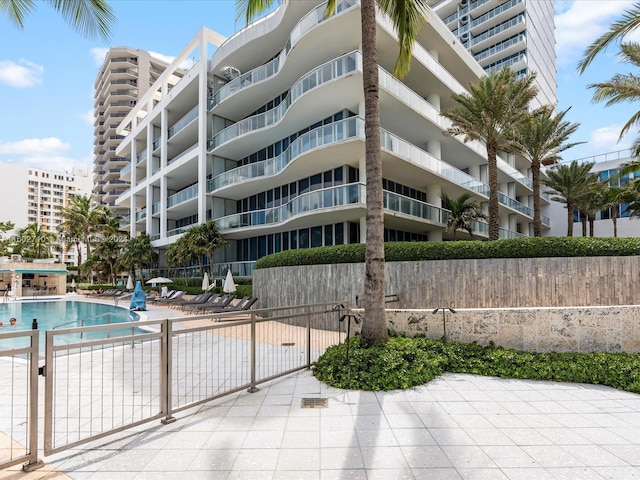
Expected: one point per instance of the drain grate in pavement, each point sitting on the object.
(315, 403)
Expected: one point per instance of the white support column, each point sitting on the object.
(202, 129)
(434, 100)
(434, 193)
(163, 207)
(434, 148)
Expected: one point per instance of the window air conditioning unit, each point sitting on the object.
(16, 257)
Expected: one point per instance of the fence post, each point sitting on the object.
(253, 388)
(308, 337)
(166, 368)
(33, 463)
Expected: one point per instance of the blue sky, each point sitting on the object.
(47, 73)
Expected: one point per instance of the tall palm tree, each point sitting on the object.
(620, 88)
(540, 140)
(568, 183)
(589, 204)
(4, 242)
(35, 241)
(90, 18)
(407, 17)
(136, 253)
(463, 212)
(205, 239)
(489, 112)
(612, 197)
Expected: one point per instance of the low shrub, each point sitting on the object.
(406, 362)
(526, 247)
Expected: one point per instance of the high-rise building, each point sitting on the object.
(515, 33)
(265, 135)
(37, 196)
(125, 76)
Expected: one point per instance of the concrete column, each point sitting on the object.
(363, 230)
(434, 100)
(434, 147)
(434, 54)
(163, 207)
(433, 195)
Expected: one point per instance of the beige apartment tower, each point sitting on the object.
(126, 75)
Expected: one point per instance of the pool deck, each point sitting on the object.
(455, 427)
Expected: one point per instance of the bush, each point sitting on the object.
(407, 362)
(527, 247)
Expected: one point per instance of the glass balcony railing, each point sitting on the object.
(350, 194)
(497, 29)
(328, 134)
(141, 157)
(141, 215)
(156, 143)
(155, 236)
(415, 208)
(155, 208)
(182, 196)
(487, 52)
(190, 116)
(269, 69)
(126, 169)
(337, 68)
(238, 269)
(125, 221)
(177, 231)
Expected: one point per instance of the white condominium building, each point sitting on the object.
(265, 135)
(515, 33)
(36, 196)
(126, 74)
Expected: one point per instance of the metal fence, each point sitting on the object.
(19, 400)
(103, 379)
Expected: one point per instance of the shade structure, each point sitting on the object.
(130, 283)
(138, 298)
(159, 280)
(205, 282)
(229, 285)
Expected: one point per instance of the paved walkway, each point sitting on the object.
(456, 427)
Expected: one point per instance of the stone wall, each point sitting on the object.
(570, 329)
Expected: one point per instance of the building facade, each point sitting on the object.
(125, 76)
(607, 167)
(37, 196)
(265, 135)
(515, 33)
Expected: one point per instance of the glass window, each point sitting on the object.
(328, 235)
(269, 199)
(328, 179)
(316, 236)
(261, 201)
(285, 241)
(294, 239)
(316, 182)
(339, 233)
(303, 238)
(337, 176)
(354, 236)
(262, 246)
(304, 185)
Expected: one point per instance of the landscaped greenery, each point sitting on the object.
(527, 247)
(407, 362)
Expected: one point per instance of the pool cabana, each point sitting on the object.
(40, 277)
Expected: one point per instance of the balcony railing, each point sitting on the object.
(350, 194)
(328, 134)
(184, 121)
(308, 22)
(497, 29)
(177, 231)
(182, 196)
(141, 215)
(339, 67)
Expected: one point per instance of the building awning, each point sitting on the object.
(38, 270)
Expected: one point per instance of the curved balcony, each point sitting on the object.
(307, 23)
(326, 135)
(332, 197)
(182, 196)
(339, 67)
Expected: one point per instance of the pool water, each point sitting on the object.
(60, 314)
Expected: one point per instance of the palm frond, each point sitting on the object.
(17, 10)
(91, 18)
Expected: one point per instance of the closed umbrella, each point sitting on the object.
(73, 284)
(130, 283)
(159, 280)
(205, 282)
(229, 284)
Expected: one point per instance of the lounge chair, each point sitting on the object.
(215, 299)
(176, 297)
(197, 300)
(220, 302)
(244, 305)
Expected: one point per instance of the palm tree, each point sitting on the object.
(492, 109)
(569, 183)
(105, 257)
(204, 240)
(178, 254)
(35, 241)
(90, 18)
(407, 17)
(612, 197)
(589, 204)
(4, 243)
(620, 88)
(136, 253)
(463, 212)
(540, 140)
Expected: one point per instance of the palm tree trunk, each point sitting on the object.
(583, 219)
(374, 326)
(494, 206)
(570, 219)
(591, 222)
(614, 219)
(537, 220)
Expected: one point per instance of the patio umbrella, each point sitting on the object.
(229, 285)
(73, 284)
(130, 283)
(159, 280)
(205, 282)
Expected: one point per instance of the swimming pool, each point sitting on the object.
(59, 314)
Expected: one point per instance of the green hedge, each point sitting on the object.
(528, 247)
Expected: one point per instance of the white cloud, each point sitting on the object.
(99, 54)
(580, 22)
(186, 64)
(20, 74)
(605, 139)
(87, 117)
(34, 146)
